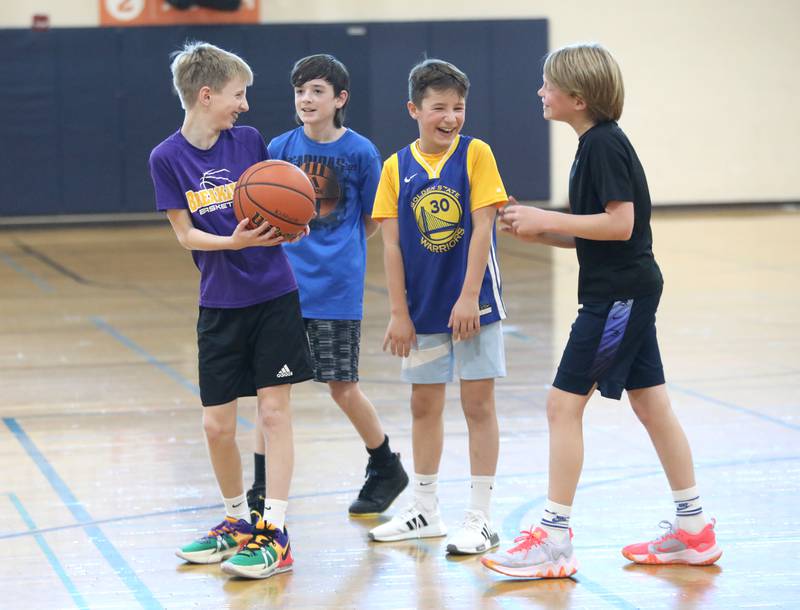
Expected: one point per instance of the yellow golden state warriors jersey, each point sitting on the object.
(434, 212)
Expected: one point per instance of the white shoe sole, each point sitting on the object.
(428, 531)
(453, 549)
(258, 573)
(687, 557)
(560, 569)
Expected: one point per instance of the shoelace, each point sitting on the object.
(526, 540)
(473, 521)
(260, 539)
(222, 528)
(671, 531)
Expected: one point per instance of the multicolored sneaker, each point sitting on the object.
(255, 502)
(535, 555)
(382, 486)
(677, 546)
(475, 535)
(219, 544)
(266, 554)
(409, 524)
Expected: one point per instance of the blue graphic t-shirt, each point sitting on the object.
(330, 262)
(202, 181)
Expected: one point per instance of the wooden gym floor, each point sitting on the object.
(104, 470)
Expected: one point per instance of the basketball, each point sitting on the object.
(326, 187)
(275, 192)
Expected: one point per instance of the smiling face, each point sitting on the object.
(440, 117)
(556, 104)
(316, 102)
(225, 106)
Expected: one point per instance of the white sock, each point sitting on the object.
(237, 507)
(555, 520)
(275, 512)
(480, 496)
(688, 510)
(425, 487)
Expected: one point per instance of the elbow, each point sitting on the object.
(626, 233)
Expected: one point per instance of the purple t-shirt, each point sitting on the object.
(202, 181)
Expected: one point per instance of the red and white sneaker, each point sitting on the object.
(534, 555)
(677, 546)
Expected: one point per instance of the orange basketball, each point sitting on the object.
(275, 192)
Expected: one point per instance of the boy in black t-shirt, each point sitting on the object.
(612, 345)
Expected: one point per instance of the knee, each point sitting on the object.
(343, 393)
(218, 431)
(560, 412)
(478, 410)
(274, 414)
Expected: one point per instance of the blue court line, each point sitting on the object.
(48, 552)
(734, 407)
(161, 366)
(96, 535)
(40, 283)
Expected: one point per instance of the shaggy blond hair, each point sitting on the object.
(588, 71)
(200, 64)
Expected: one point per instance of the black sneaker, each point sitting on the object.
(383, 484)
(255, 501)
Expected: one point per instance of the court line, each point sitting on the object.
(348, 492)
(734, 407)
(42, 257)
(161, 366)
(26, 273)
(49, 554)
(113, 557)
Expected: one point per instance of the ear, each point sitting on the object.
(412, 110)
(579, 103)
(341, 99)
(204, 95)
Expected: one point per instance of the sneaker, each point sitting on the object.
(219, 544)
(677, 546)
(409, 524)
(536, 555)
(382, 486)
(476, 535)
(256, 496)
(266, 554)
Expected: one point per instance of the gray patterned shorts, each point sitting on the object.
(334, 348)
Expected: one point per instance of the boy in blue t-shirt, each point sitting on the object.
(330, 263)
(249, 327)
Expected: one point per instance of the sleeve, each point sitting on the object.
(610, 171)
(370, 176)
(485, 183)
(168, 192)
(385, 205)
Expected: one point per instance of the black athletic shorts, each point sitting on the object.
(612, 344)
(335, 346)
(243, 349)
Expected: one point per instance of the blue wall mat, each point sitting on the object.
(86, 105)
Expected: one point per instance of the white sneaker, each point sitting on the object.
(411, 523)
(476, 535)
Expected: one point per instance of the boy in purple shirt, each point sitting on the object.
(250, 335)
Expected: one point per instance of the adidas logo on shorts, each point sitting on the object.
(285, 371)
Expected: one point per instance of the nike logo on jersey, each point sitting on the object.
(408, 179)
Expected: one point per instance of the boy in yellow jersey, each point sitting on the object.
(437, 200)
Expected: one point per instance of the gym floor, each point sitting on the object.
(105, 470)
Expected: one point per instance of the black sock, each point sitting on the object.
(382, 454)
(260, 470)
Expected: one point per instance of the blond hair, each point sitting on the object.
(200, 64)
(588, 71)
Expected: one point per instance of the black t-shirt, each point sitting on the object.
(606, 169)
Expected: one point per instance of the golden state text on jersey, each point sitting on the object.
(439, 216)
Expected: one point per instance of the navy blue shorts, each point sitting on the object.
(612, 344)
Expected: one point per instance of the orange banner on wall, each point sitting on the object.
(160, 12)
